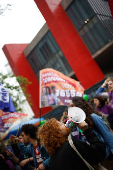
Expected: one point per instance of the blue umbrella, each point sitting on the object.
(6, 103)
(15, 129)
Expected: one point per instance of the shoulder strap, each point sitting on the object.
(73, 146)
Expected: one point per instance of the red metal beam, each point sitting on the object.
(111, 6)
(67, 37)
(21, 67)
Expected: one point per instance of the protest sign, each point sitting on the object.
(57, 89)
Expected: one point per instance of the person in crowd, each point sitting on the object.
(50, 98)
(108, 82)
(64, 117)
(5, 157)
(39, 154)
(25, 161)
(44, 100)
(3, 164)
(15, 148)
(53, 135)
(9, 156)
(53, 94)
(106, 109)
(95, 122)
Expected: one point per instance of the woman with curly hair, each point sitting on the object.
(53, 135)
(95, 122)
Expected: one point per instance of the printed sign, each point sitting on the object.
(57, 89)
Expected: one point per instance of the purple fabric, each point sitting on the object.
(1, 123)
(110, 94)
(106, 109)
(10, 164)
(51, 101)
(75, 134)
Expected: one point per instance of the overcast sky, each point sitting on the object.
(18, 25)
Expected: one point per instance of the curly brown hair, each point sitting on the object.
(50, 136)
(87, 108)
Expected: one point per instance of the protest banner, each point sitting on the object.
(57, 89)
(8, 118)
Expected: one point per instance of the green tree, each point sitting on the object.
(4, 7)
(18, 94)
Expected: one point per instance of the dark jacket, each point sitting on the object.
(66, 158)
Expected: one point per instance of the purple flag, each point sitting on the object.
(6, 103)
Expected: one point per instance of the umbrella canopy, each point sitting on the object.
(14, 130)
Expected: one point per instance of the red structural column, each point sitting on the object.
(21, 67)
(71, 44)
(111, 6)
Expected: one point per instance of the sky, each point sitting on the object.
(18, 25)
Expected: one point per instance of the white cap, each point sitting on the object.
(76, 114)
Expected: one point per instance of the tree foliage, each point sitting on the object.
(18, 94)
(4, 8)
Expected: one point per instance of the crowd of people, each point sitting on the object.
(65, 144)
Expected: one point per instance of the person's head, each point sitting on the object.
(21, 138)
(52, 135)
(99, 101)
(44, 91)
(110, 84)
(48, 90)
(29, 131)
(53, 89)
(86, 107)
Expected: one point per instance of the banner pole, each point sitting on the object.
(40, 116)
(40, 96)
(18, 130)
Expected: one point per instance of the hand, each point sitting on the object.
(105, 83)
(64, 113)
(83, 126)
(22, 163)
(14, 139)
(41, 167)
(9, 153)
(70, 125)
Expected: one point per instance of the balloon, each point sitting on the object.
(42, 122)
(85, 97)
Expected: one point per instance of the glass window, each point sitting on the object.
(47, 54)
(88, 25)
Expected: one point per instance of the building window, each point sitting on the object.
(47, 54)
(88, 25)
